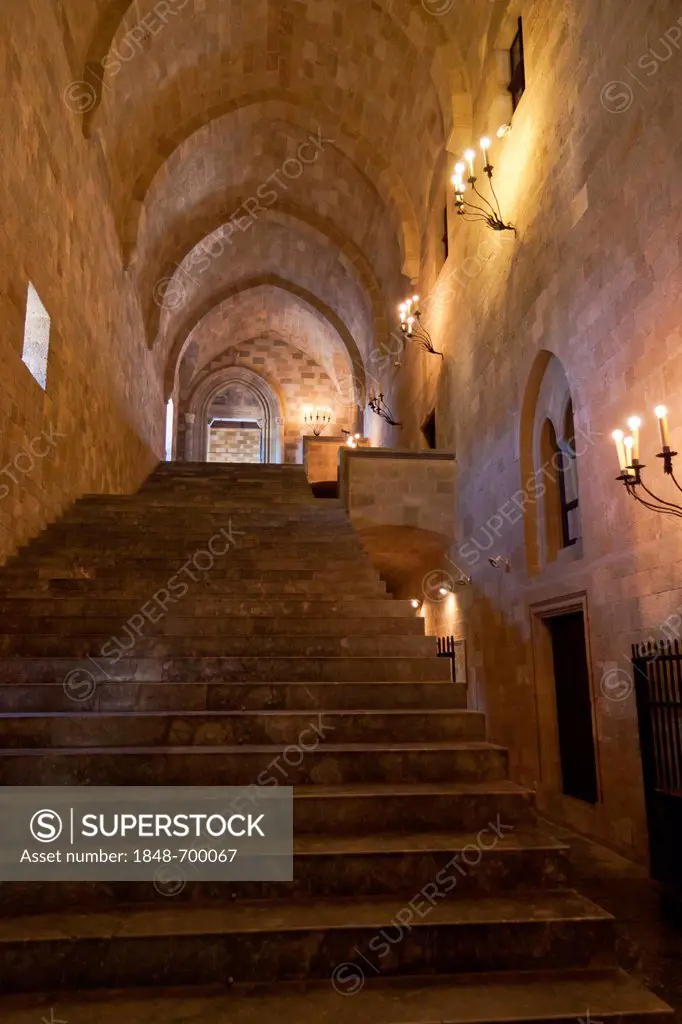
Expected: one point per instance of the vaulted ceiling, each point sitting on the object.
(272, 158)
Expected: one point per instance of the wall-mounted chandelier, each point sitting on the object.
(631, 468)
(489, 214)
(412, 327)
(379, 408)
(318, 419)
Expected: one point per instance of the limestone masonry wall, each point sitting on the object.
(99, 425)
(590, 177)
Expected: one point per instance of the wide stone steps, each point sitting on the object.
(559, 997)
(131, 592)
(334, 866)
(125, 638)
(247, 669)
(91, 689)
(204, 618)
(232, 728)
(283, 662)
(304, 940)
(111, 579)
(326, 764)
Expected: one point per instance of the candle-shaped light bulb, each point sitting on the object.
(470, 156)
(662, 416)
(415, 299)
(618, 436)
(485, 146)
(634, 423)
(460, 168)
(629, 443)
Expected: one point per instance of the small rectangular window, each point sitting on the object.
(36, 337)
(517, 85)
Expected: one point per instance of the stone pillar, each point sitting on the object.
(190, 417)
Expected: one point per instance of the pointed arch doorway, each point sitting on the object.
(234, 416)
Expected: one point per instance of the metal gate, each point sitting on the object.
(658, 687)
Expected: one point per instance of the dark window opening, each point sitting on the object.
(445, 239)
(429, 429)
(574, 707)
(517, 85)
(568, 486)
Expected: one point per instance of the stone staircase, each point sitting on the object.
(424, 890)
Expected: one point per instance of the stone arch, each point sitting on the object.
(208, 387)
(198, 231)
(114, 13)
(548, 461)
(249, 121)
(359, 383)
(377, 167)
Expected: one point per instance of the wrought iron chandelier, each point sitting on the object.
(631, 468)
(318, 419)
(412, 327)
(379, 408)
(489, 214)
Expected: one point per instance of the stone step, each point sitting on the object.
(201, 728)
(127, 590)
(339, 570)
(90, 690)
(261, 941)
(370, 808)
(124, 640)
(230, 576)
(324, 515)
(201, 617)
(253, 669)
(527, 997)
(180, 546)
(151, 557)
(496, 858)
(193, 497)
(327, 764)
(271, 608)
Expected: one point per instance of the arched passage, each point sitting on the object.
(264, 401)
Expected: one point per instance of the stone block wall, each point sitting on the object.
(98, 426)
(234, 444)
(390, 487)
(321, 456)
(590, 177)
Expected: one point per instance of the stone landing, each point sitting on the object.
(424, 889)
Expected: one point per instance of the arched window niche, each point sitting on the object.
(549, 467)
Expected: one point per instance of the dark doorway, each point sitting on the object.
(429, 429)
(574, 707)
